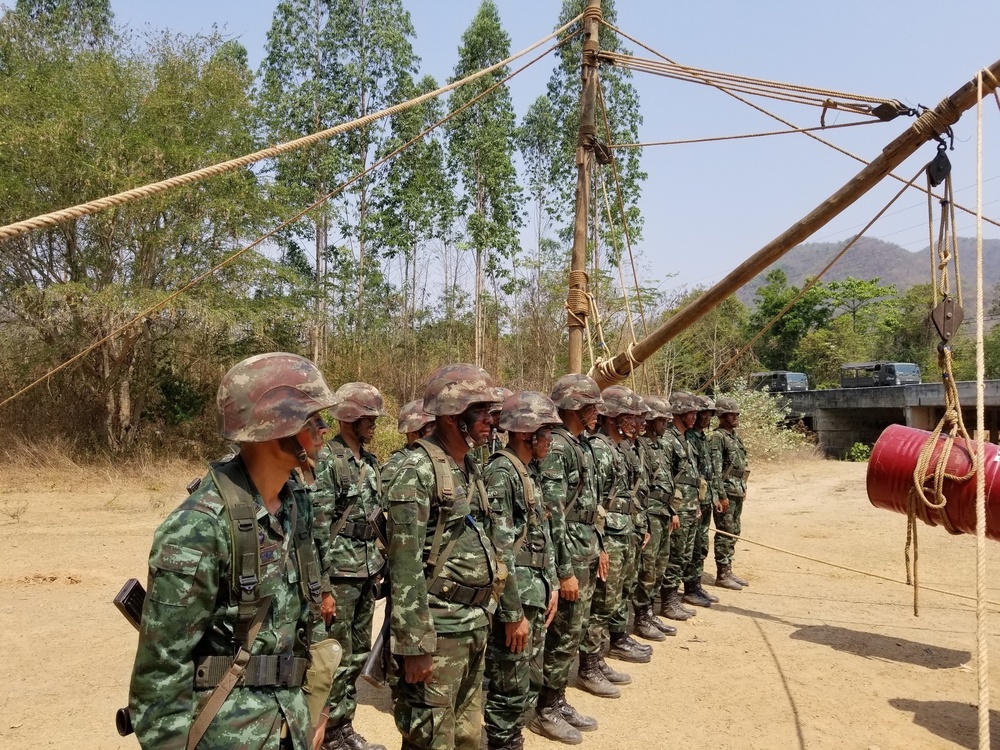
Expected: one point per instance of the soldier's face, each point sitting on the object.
(689, 419)
(310, 437)
(588, 415)
(704, 419)
(478, 421)
(733, 420)
(365, 429)
(541, 443)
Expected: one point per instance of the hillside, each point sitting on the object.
(891, 263)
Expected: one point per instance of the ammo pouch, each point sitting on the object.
(702, 490)
(361, 531)
(277, 670)
(619, 505)
(588, 517)
(471, 596)
(529, 559)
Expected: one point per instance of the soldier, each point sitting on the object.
(683, 487)
(414, 423)
(661, 519)
(234, 571)
(348, 492)
(444, 567)
(615, 487)
(514, 656)
(729, 460)
(694, 592)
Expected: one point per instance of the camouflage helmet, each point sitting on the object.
(726, 405)
(452, 389)
(527, 411)
(575, 391)
(412, 417)
(619, 400)
(658, 407)
(502, 395)
(705, 403)
(359, 400)
(682, 402)
(270, 396)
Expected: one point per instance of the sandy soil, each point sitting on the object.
(807, 657)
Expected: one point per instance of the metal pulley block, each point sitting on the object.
(947, 317)
(939, 167)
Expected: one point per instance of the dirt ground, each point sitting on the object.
(807, 657)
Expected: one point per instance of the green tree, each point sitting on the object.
(481, 143)
(776, 347)
(856, 296)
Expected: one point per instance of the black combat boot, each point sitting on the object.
(614, 677)
(355, 741)
(740, 581)
(642, 648)
(573, 717)
(725, 579)
(333, 739)
(622, 650)
(591, 679)
(691, 595)
(701, 590)
(644, 627)
(660, 624)
(671, 607)
(515, 743)
(549, 722)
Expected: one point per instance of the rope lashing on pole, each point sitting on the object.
(95, 206)
(288, 222)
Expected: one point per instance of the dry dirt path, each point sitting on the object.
(807, 657)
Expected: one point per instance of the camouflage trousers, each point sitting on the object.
(725, 548)
(607, 594)
(562, 639)
(681, 547)
(630, 579)
(515, 679)
(447, 711)
(353, 628)
(697, 565)
(653, 560)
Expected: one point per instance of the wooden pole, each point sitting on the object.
(930, 124)
(577, 302)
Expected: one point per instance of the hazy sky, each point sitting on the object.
(709, 206)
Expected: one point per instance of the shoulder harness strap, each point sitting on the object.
(580, 461)
(529, 493)
(445, 491)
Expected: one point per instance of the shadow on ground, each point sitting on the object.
(953, 721)
(865, 644)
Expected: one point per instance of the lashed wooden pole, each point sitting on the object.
(929, 125)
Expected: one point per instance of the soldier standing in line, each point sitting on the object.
(444, 567)
(414, 423)
(348, 492)
(220, 581)
(729, 460)
(514, 656)
(694, 592)
(568, 485)
(684, 479)
(615, 488)
(661, 518)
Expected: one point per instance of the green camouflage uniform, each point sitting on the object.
(682, 475)
(638, 489)
(392, 465)
(571, 499)
(353, 562)
(653, 559)
(445, 712)
(188, 614)
(698, 441)
(515, 679)
(729, 462)
(614, 489)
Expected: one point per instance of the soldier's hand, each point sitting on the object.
(550, 613)
(718, 506)
(569, 588)
(603, 565)
(675, 523)
(725, 505)
(645, 540)
(516, 635)
(418, 668)
(328, 608)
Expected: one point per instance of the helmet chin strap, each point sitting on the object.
(293, 447)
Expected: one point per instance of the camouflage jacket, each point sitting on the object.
(187, 614)
(414, 515)
(729, 462)
(635, 462)
(568, 477)
(516, 518)
(682, 472)
(698, 441)
(613, 485)
(660, 484)
(392, 464)
(358, 495)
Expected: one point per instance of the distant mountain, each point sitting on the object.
(891, 263)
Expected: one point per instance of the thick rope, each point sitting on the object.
(92, 207)
(994, 84)
(850, 569)
(226, 261)
(716, 139)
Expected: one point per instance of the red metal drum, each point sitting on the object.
(890, 478)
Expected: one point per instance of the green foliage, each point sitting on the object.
(813, 310)
(764, 427)
(859, 452)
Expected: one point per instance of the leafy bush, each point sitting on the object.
(859, 452)
(766, 430)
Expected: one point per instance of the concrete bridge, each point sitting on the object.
(842, 417)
